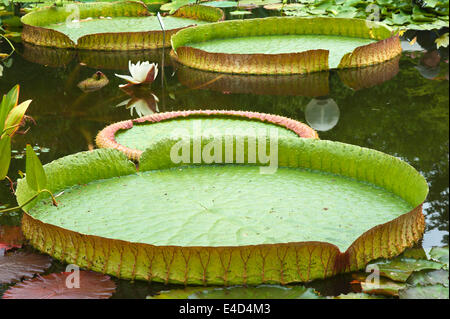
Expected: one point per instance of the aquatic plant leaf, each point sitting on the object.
(5, 156)
(63, 286)
(15, 117)
(354, 295)
(440, 254)
(106, 240)
(36, 178)
(134, 136)
(399, 269)
(284, 45)
(9, 101)
(429, 277)
(383, 286)
(10, 237)
(424, 292)
(239, 292)
(108, 26)
(94, 83)
(17, 265)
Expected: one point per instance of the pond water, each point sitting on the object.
(400, 108)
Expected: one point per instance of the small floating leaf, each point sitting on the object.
(425, 292)
(440, 254)
(54, 286)
(399, 269)
(429, 277)
(353, 295)
(18, 265)
(36, 178)
(94, 83)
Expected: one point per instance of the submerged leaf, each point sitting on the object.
(36, 178)
(17, 265)
(55, 286)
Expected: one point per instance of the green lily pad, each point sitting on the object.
(239, 292)
(337, 45)
(133, 137)
(199, 224)
(429, 277)
(440, 254)
(382, 286)
(424, 292)
(354, 295)
(128, 24)
(284, 45)
(399, 269)
(122, 25)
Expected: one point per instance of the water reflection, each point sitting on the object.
(142, 101)
(322, 114)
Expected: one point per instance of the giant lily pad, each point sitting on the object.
(123, 25)
(328, 208)
(134, 136)
(285, 45)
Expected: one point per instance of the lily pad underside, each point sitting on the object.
(329, 208)
(123, 25)
(134, 136)
(285, 45)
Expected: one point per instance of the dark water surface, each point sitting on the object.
(400, 108)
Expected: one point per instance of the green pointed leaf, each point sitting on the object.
(8, 102)
(14, 118)
(5, 156)
(36, 178)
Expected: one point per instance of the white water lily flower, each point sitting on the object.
(144, 72)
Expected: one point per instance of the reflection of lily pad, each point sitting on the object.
(239, 292)
(125, 25)
(17, 265)
(133, 137)
(172, 224)
(54, 286)
(313, 85)
(281, 45)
